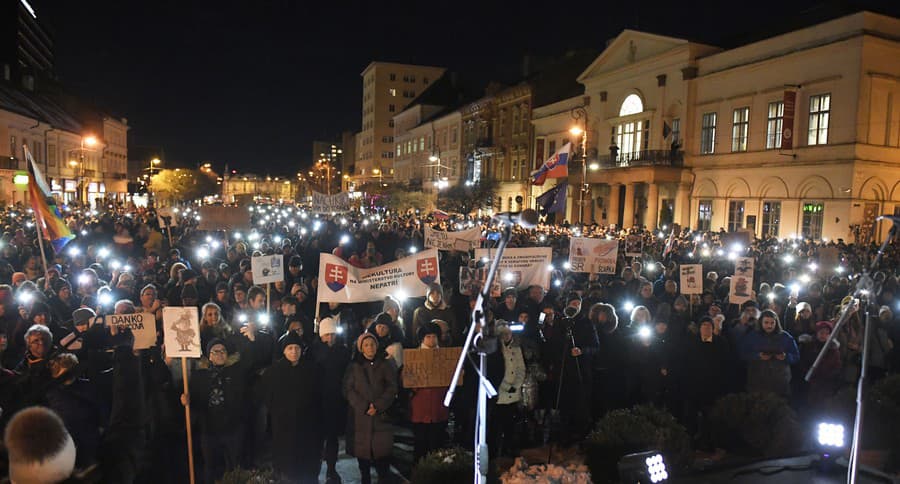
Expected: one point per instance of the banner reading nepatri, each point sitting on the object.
(341, 282)
(322, 203)
(522, 266)
(594, 256)
(461, 240)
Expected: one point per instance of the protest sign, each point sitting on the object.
(594, 256)
(181, 326)
(142, 326)
(424, 368)
(410, 276)
(223, 218)
(741, 289)
(461, 240)
(472, 280)
(267, 268)
(634, 246)
(339, 202)
(165, 216)
(520, 267)
(692, 279)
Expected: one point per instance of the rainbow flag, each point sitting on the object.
(46, 214)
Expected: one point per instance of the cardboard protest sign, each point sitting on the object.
(461, 240)
(181, 326)
(521, 267)
(339, 202)
(634, 246)
(223, 218)
(267, 268)
(471, 281)
(594, 256)
(691, 279)
(142, 325)
(341, 282)
(741, 289)
(424, 368)
(166, 216)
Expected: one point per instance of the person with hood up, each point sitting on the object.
(332, 357)
(291, 391)
(769, 352)
(370, 386)
(435, 307)
(428, 414)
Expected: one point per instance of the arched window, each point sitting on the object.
(631, 105)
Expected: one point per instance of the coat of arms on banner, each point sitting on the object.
(427, 269)
(336, 276)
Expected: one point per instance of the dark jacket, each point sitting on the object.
(375, 382)
(772, 375)
(332, 364)
(219, 395)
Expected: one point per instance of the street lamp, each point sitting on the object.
(579, 113)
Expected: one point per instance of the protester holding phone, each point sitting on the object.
(769, 352)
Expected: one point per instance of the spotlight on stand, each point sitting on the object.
(830, 436)
(644, 467)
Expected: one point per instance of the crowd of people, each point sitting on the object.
(276, 386)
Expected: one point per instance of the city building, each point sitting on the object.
(26, 46)
(387, 89)
(327, 160)
(794, 135)
(246, 188)
(348, 160)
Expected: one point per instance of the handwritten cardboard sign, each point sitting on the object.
(142, 325)
(424, 368)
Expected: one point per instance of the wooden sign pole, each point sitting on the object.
(187, 419)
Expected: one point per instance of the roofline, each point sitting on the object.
(398, 64)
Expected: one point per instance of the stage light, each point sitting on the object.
(830, 435)
(643, 467)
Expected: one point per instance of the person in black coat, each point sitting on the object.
(332, 358)
(40, 448)
(73, 398)
(291, 390)
(579, 337)
(707, 357)
(219, 398)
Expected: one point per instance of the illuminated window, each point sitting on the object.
(631, 105)
(740, 129)
(813, 218)
(774, 124)
(819, 116)
(392, 92)
(735, 215)
(771, 218)
(708, 133)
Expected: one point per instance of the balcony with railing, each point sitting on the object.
(642, 158)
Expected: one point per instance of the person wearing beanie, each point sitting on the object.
(428, 414)
(434, 307)
(291, 389)
(370, 386)
(62, 303)
(705, 361)
(220, 397)
(388, 338)
(332, 357)
(41, 450)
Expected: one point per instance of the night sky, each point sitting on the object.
(252, 83)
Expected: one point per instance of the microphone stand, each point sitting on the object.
(864, 291)
(485, 342)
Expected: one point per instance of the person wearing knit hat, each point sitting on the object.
(332, 357)
(370, 386)
(389, 339)
(429, 329)
(291, 390)
(427, 413)
(434, 307)
(39, 446)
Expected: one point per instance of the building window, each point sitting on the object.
(453, 134)
(708, 134)
(424, 80)
(735, 215)
(391, 108)
(774, 125)
(390, 123)
(771, 218)
(515, 122)
(631, 138)
(412, 78)
(740, 128)
(515, 169)
(398, 149)
(51, 154)
(676, 129)
(551, 148)
(704, 215)
(813, 216)
(631, 105)
(392, 92)
(422, 143)
(393, 77)
(819, 113)
(12, 146)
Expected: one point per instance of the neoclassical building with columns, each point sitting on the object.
(797, 134)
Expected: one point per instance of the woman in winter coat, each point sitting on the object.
(291, 389)
(428, 414)
(370, 386)
(769, 352)
(390, 339)
(826, 379)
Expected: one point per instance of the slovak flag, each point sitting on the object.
(557, 166)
